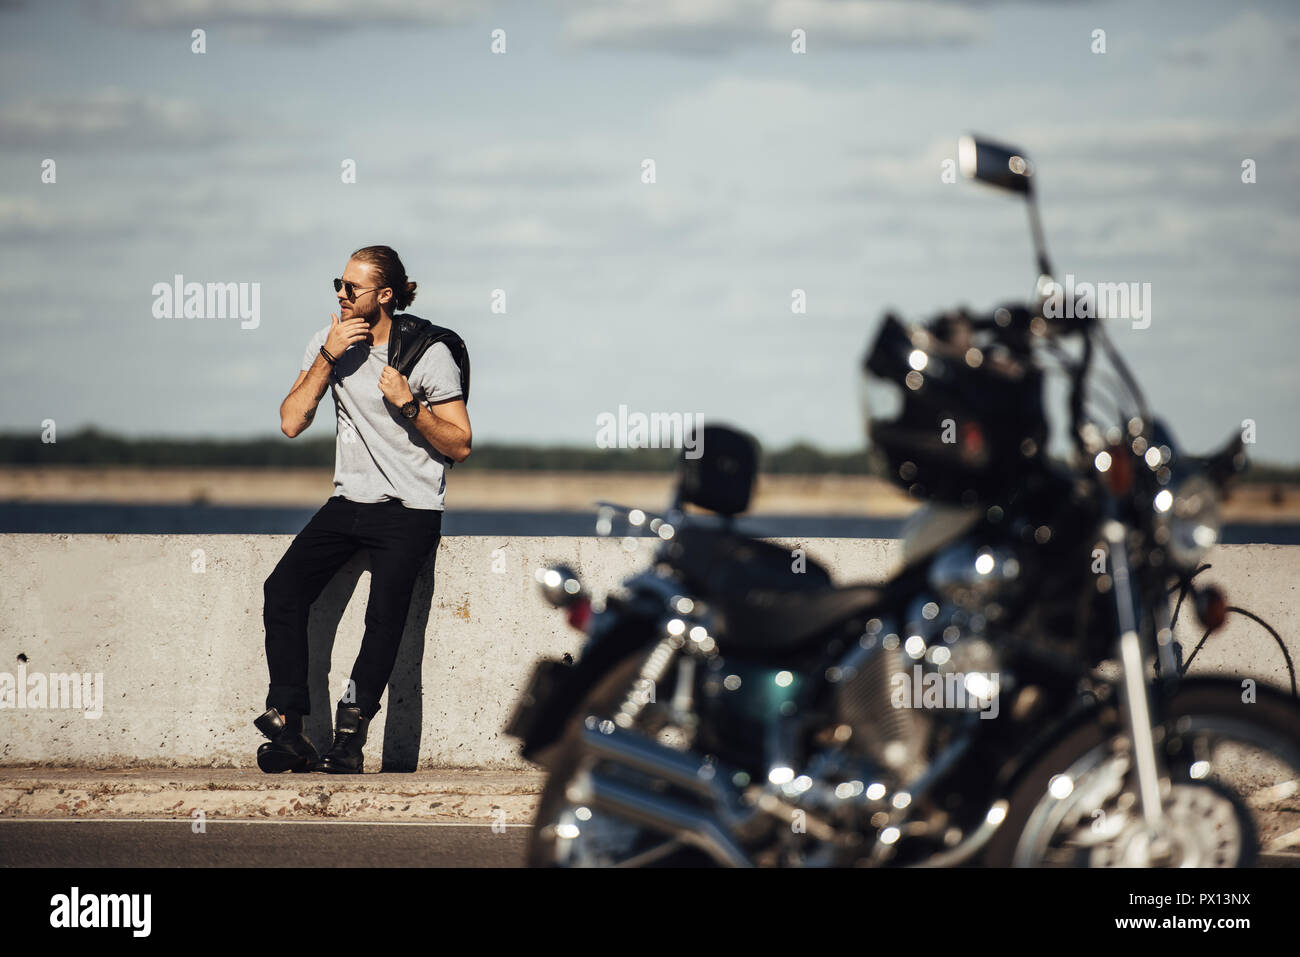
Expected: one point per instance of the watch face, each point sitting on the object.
(411, 409)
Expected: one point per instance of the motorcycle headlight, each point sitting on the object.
(1187, 520)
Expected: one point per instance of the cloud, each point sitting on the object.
(1136, 138)
(1247, 40)
(23, 219)
(111, 118)
(825, 179)
(723, 26)
(533, 233)
(1195, 160)
(286, 18)
(566, 161)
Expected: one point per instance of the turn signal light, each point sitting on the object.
(1120, 474)
(1211, 607)
(579, 612)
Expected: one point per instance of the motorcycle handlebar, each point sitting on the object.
(1016, 325)
(1021, 318)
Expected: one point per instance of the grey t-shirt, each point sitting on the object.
(379, 454)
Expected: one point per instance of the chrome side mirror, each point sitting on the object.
(1007, 167)
(1003, 166)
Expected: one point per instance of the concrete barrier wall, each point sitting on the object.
(173, 623)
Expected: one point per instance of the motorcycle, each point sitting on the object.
(1011, 695)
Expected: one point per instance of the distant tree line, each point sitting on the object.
(94, 447)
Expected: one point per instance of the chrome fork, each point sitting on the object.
(1137, 705)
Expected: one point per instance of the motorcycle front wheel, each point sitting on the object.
(1232, 790)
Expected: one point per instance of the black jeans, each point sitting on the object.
(399, 539)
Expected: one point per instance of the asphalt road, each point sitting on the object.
(314, 844)
(90, 843)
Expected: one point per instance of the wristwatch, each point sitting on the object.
(410, 410)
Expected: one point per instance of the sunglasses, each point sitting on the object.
(352, 290)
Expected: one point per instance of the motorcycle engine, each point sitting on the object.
(902, 680)
(893, 737)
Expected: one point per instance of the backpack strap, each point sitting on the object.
(412, 336)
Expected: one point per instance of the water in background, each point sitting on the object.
(185, 519)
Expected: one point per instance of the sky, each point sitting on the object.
(523, 171)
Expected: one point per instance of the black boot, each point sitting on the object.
(288, 749)
(350, 728)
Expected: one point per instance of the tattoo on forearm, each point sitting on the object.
(308, 416)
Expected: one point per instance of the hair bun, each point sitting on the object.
(389, 271)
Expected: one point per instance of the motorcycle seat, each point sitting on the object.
(718, 561)
(767, 602)
(783, 621)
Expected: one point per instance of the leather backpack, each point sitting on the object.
(410, 337)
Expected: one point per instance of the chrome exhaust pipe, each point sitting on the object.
(695, 827)
(685, 771)
(709, 829)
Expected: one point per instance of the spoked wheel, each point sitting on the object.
(1233, 790)
(567, 831)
